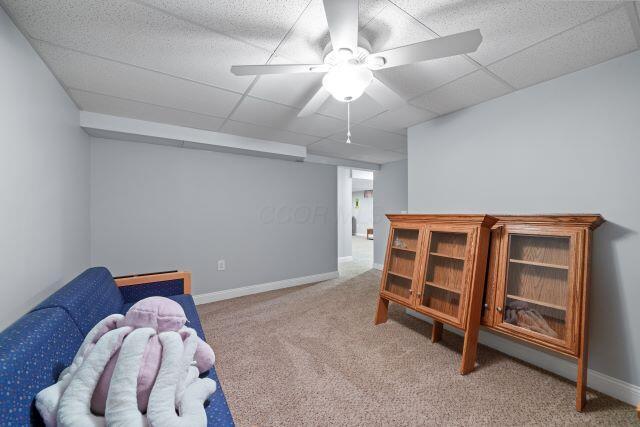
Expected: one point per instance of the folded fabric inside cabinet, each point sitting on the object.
(519, 313)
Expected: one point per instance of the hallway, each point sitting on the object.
(362, 252)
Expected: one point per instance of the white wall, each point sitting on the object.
(44, 180)
(158, 208)
(364, 213)
(389, 196)
(568, 145)
(344, 212)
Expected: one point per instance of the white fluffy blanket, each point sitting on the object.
(177, 396)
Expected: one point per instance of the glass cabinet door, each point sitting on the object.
(537, 288)
(401, 262)
(443, 288)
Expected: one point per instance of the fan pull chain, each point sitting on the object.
(348, 122)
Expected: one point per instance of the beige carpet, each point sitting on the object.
(311, 356)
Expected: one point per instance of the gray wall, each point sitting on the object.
(389, 196)
(364, 213)
(568, 145)
(344, 211)
(44, 180)
(158, 208)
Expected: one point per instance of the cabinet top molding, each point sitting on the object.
(483, 219)
(591, 221)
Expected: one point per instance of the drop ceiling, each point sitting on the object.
(168, 60)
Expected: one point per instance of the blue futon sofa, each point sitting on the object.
(35, 349)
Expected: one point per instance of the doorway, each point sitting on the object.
(355, 212)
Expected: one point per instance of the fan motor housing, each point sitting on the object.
(330, 56)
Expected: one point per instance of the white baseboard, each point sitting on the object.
(378, 266)
(345, 258)
(610, 386)
(262, 287)
(361, 234)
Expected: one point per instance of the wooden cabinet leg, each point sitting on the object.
(469, 349)
(436, 331)
(382, 312)
(581, 382)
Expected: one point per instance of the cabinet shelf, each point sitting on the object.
(537, 302)
(445, 288)
(400, 275)
(398, 248)
(539, 264)
(441, 255)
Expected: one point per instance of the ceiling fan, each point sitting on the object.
(349, 64)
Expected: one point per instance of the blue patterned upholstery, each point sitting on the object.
(33, 352)
(88, 298)
(218, 413)
(165, 288)
(35, 349)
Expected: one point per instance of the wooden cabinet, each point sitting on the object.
(538, 281)
(402, 266)
(435, 264)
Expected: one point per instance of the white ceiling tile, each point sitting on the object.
(260, 22)
(506, 26)
(369, 9)
(78, 71)
(370, 137)
(153, 39)
(596, 41)
(262, 132)
(125, 108)
(361, 109)
(307, 40)
(412, 80)
(300, 87)
(394, 28)
(265, 113)
(400, 119)
(472, 89)
(354, 151)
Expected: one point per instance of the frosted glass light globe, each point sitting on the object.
(346, 82)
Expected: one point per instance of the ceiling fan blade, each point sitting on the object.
(384, 95)
(253, 70)
(315, 102)
(342, 17)
(455, 44)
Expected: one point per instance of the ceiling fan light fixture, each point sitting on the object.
(346, 82)
(375, 61)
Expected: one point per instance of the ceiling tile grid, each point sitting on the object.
(507, 26)
(136, 34)
(471, 89)
(265, 113)
(242, 20)
(330, 148)
(370, 137)
(362, 109)
(92, 74)
(300, 87)
(262, 132)
(169, 60)
(397, 121)
(602, 38)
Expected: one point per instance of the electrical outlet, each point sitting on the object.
(221, 265)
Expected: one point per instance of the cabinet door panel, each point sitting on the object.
(401, 265)
(445, 273)
(537, 293)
